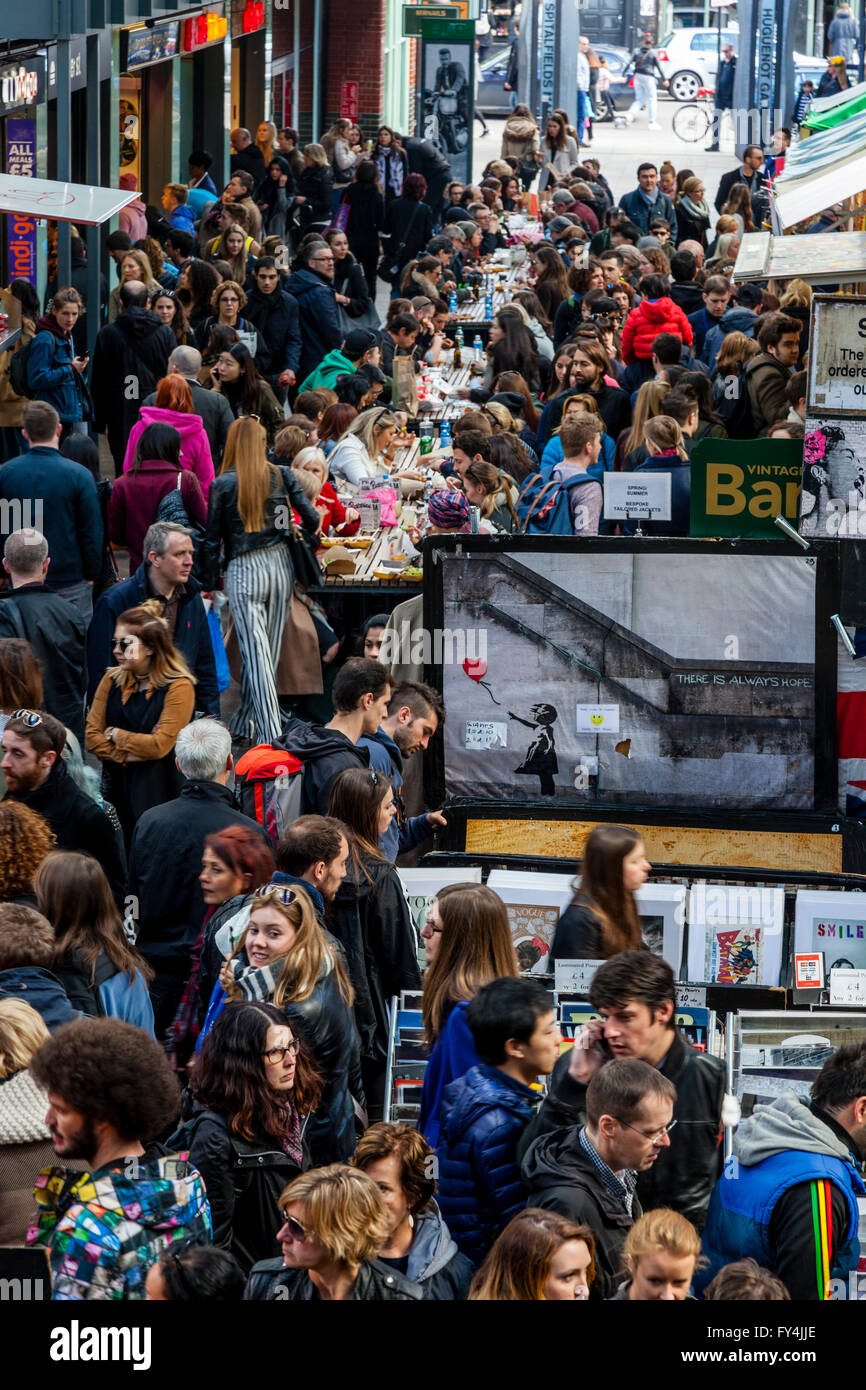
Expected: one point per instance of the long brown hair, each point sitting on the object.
(602, 887)
(245, 452)
(356, 797)
(230, 1078)
(308, 958)
(476, 947)
(74, 894)
(513, 381)
(518, 1264)
(488, 477)
(146, 622)
(20, 676)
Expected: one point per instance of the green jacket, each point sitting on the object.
(332, 365)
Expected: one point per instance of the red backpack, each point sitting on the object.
(268, 784)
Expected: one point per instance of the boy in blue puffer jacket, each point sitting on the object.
(485, 1112)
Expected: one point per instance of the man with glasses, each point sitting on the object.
(36, 775)
(313, 289)
(635, 996)
(589, 1172)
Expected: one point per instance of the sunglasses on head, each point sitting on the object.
(30, 717)
(285, 895)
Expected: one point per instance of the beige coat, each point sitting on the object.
(12, 406)
(519, 138)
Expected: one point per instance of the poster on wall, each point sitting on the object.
(735, 934)
(447, 98)
(20, 227)
(534, 903)
(675, 679)
(422, 885)
(129, 107)
(837, 355)
(833, 499)
(834, 923)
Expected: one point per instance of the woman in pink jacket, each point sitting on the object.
(657, 313)
(156, 471)
(174, 407)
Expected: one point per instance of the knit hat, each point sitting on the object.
(645, 242)
(560, 225)
(449, 510)
(468, 228)
(128, 182)
(562, 195)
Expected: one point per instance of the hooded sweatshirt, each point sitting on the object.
(104, 1230)
(332, 365)
(325, 753)
(733, 320)
(195, 451)
(788, 1199)
(434, 1261)
(647, 321)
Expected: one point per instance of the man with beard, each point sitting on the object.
(110, 1089)
(589, 367)
(415, 712)
(36, 775)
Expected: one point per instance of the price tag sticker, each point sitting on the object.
(848, 988)
(691, 996)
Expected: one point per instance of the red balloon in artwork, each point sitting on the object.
(475, 670)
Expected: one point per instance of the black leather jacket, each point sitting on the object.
(683, 1175)
(224, 525)
(270, 1282)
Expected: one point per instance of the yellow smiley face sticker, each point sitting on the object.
(596, 719)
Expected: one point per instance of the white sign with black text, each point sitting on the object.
(629, 497)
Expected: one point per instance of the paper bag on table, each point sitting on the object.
(405, 391)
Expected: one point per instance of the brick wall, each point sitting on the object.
(356, 53)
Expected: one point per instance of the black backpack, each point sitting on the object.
(735, 411)
(18, 370)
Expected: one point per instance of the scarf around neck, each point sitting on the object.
(695, 208)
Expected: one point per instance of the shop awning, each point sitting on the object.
(825, 169)
(828, 112)
(63, 202)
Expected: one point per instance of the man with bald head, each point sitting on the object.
(246, 155)
(211, 406)
(129, 358)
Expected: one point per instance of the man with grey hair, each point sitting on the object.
(55, 628)
(211, 406)
(165, 574)
(165, 861)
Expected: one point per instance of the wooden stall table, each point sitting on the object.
(366, 579)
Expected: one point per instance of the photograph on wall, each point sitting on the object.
(447, 103)
(735, 934)
(662, 911)
(833, 497)
(707, 660)
(834, 923)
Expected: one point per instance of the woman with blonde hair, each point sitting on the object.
(337, 143)
(602, 918)
(94, 961)
(315, 188)
(540, 1257)
(649, 403)
(135, 265)
(25, 1141)
(334, 1225)
(249, 516)
(666, 453)
(266, 139)
(285, 958)
(365, 451)
(662, 1251)
(467, 940)
(138, 710)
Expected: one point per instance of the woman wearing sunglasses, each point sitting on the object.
(253, 1088)
(139, 708)
(334, 1224)
(370, 917)
(284, 958)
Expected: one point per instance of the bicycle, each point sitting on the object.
(693, 119)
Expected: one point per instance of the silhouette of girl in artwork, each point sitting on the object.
(540, 760)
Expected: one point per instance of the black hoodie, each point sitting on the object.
(129, 357)
(325, 753)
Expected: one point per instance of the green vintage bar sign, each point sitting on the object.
(740, 486)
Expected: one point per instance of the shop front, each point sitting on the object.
(22, 93)
(251, 64)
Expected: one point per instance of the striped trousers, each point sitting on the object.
(259, 589)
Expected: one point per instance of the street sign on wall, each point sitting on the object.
(547, 55)
(349, 101)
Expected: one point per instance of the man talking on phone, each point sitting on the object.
(635, 995)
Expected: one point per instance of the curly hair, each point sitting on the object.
(110, 1071)
(415, 1155)
(25, 839)
(221, 290)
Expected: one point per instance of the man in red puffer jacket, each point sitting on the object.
(657, 313)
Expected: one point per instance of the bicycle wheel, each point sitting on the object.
(691, 123)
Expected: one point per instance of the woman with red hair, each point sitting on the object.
(174, 407)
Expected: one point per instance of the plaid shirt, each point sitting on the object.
(621, 1187)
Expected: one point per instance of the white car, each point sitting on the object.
(689, 59)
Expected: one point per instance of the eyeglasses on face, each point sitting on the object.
(296, 1230)
(30, 717)
(276, 1054)
(655, 1136)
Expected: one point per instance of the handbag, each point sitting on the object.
(340, 220)
(390, 265)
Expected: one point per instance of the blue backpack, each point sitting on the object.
(544, 506)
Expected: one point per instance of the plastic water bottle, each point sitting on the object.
(478, 349)
(458, 337)
(452, 302)
(445, 434)
(488, 307)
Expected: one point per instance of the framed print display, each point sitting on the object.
(735, 934)
(534, 903)
(834, 923)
